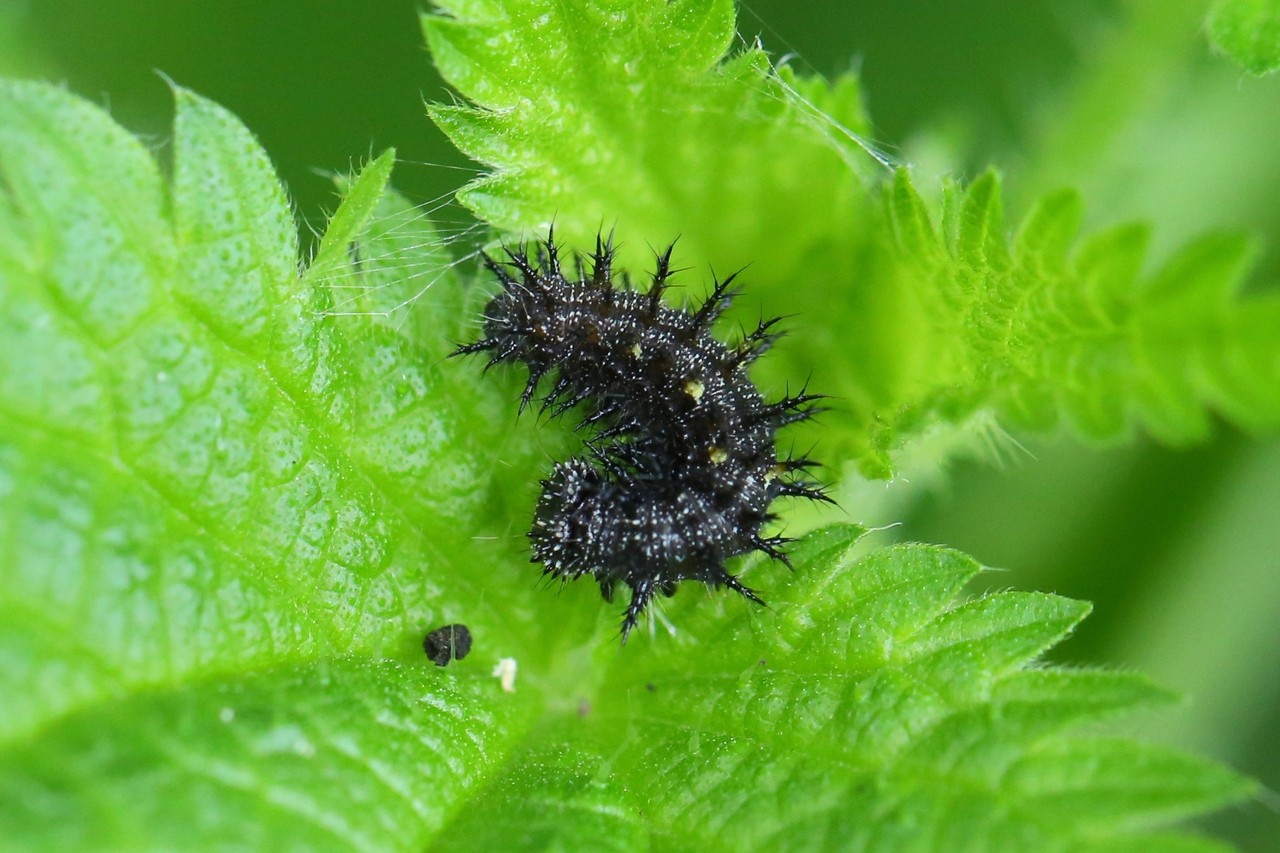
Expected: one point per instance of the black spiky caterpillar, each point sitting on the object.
(682, 462)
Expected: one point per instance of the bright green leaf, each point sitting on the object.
(1038, 330)
(1249, 32)
(216, 458)
(343, 753)
(917, 317)
(628, 115)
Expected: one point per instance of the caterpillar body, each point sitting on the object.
(681, 464)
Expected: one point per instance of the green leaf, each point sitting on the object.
(629, 115)
(1249, 32)
(204, 470)
(864, 710)
(234, 494)
(1039, 329)
(343, 753)
(918, 318)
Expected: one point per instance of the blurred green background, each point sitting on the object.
(1179, 549)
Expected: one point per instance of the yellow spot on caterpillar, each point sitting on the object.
(694, 389)
(717, 455)
(636, 351)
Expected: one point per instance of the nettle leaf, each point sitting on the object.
(1249, 32)
(867, 709)
(1044, 327)
(221, 501)
(912, 316)
(628, 115)
(235, 492)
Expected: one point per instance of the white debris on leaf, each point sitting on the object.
(506, 672)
